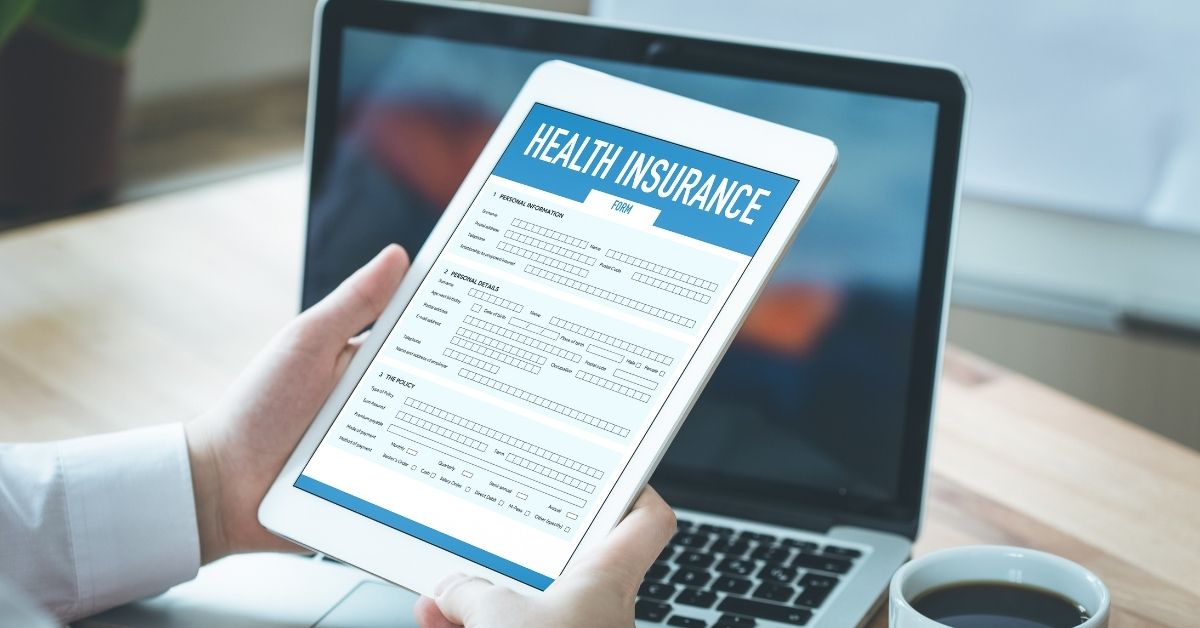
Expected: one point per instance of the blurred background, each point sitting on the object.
(1078, 259)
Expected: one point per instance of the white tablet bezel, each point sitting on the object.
(418, 565)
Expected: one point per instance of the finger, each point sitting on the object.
(430, 616)
(633, 545)
(348, 352)
(360, 299)
(461, 597)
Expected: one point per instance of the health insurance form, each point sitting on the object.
(539, 349)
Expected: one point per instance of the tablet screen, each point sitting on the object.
(541, 346)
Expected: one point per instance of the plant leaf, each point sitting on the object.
(12, 13)
(104, 27)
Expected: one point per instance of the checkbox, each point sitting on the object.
(468, 489)
(567, 529)
(502, 502)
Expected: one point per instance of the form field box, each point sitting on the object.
(636, 380)
(495, 300)
(544, 332)
(609, 295)
(613, 341)
(497, 353)
(553, 474)
(605, 353)
(448, 435)
(659, 269)
(608, 384)
(471, 361)
(667, 286)
(503, 437)
(549, 404)
(542, 259)
(524, 339)
(552, 248)
(549, 233)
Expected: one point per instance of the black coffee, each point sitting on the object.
(999, 605)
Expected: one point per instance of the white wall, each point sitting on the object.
(190, 45)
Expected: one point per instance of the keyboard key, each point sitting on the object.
(730, 548)
(657, 571)
(807, 546)
(666, 554)
(733, 621)
(771, 554)
(774, 592)
(812, 598)
(690, 539)
(731, 584)
(714, 529)
(649, 610)
(736, 566)
(821, 563)
(779, 574)
(691, 577)
(656, 590)
(682, 524)
(696, 597)
(842, 551)
(757, 536)
(695, 559)
(816, 589)
(686, 622)
(766, 610)
(819, 580)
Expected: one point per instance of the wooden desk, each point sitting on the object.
(144, 313)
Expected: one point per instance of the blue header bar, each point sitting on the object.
(699, 195)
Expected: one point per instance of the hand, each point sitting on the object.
(238, 448)
(596, 592)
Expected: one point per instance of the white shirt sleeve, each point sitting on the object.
(91, 523)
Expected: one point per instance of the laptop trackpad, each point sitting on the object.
(372, 605)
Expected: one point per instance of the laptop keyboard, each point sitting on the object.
(746, 577)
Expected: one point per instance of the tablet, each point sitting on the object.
(551, 336)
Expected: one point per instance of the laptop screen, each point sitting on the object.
(811, 398)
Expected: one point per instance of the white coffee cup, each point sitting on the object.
(993, 563)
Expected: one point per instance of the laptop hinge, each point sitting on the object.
(754, 510)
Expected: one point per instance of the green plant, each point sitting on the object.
(100, 27)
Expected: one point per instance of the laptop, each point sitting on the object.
(799, 477)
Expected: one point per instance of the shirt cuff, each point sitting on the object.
(132, 514)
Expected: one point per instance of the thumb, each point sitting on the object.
(635, 543)
(428, 615)
(361, 298)
(462, 598)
